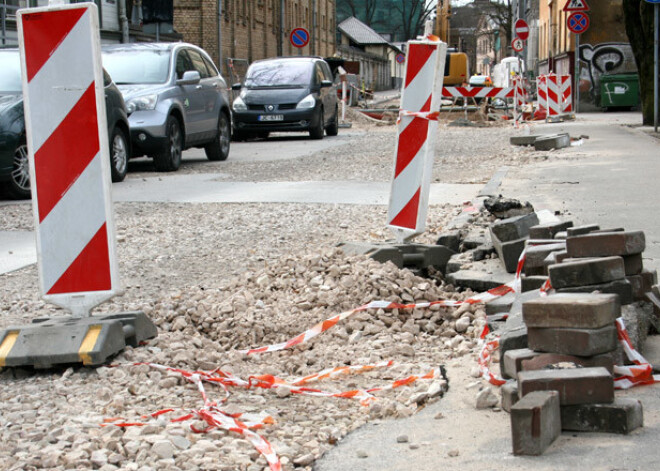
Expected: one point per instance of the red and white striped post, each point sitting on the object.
(566, 91)
(554, 96)
(542, 92)
(413, 158)
(68, 153)
(519, 100)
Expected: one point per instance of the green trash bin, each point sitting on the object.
(619, 90)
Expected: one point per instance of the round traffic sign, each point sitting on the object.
(400, 58)
(522, 29)
(299, 37)
(517, 44)
(578, 22)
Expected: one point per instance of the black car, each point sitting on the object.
(286, 94)
(14, 168)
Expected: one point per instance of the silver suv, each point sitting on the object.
(175, 98)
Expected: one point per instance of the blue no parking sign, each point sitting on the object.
(578, 22)
(299, 37)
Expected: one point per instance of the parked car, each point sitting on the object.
(175, 98)
(14, 167)
(286, 94)
(480, 81)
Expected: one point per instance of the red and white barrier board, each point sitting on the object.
(477, 92)
(420, 100)
(566, 93)
(542, 92)
(68, 153)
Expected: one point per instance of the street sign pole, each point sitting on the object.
(656, 7)
(576, 72)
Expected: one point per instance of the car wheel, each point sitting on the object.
(19, 182)
(218, 149)
(333, 129)
(317, 131)
(170, 158)
(118, 155)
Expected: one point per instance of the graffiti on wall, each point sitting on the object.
(601, 59)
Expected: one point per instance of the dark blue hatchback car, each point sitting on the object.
(286, 94)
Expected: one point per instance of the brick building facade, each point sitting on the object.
(255, 29)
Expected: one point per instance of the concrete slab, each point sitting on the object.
(210, 188)
(18, 249)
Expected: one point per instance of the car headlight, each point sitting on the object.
(306, 103)
(144, 102)
(239, 104)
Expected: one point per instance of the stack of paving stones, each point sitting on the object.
(585, 259)
(563, 381)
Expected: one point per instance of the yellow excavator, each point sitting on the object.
(456, 63)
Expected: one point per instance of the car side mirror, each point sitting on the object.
(236, 86)
(326, 83)
(190, 77)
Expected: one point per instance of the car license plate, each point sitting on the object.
(271, 117)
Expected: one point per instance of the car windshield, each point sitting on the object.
(279, 74)
(10, 72)
(137, 66)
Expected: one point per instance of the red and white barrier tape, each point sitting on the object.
(430, 115)
(217, 418)
(639, 373)
(332, 321)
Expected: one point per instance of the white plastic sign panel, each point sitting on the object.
(417, 126)
(68, 152)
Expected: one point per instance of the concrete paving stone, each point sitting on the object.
(524, 140)
(575, 385)
(509, 391)
(553, 141)
(622, 288)
(514, 228)
(613, 229)
(579, 310)
(582, 230)
(638, 317)
(477, 281)
(500, 305)
(535, 422)
(637, 283)
(529, 283)
(573, 341)
(451, 240)
(606, 244)
(543, 360)
(513, 339)
(511, 364)
(535, 255)
(621, 416)
(650, 279)
(561, 235)
(454, 263)
(548, 230)
(633, 264)
(509, 252)
(586, 272)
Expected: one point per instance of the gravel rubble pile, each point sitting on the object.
(220, 277)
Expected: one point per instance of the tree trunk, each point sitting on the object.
(638, 16)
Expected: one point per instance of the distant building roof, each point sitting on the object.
(360, 33)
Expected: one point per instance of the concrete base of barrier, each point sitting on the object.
(412, 256)
(59, 340)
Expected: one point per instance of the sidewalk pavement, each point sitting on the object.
(612, 179)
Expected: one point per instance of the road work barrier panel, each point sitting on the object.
(413, 161)
(477, 92)
(67, 139)
(566, 92)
